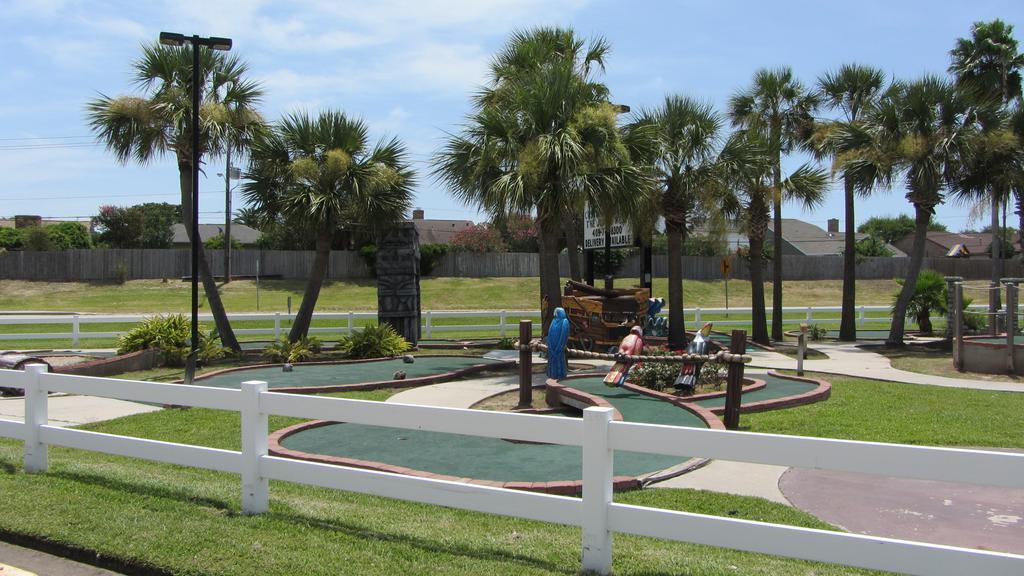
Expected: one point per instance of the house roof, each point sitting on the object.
(439, 231)
(807, 238)
(239, 232)
(976, 243)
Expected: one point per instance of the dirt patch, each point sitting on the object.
(508, 401)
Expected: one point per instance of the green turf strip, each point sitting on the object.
(332, 374)
(776, 388)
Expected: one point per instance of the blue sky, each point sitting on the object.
(409, 67)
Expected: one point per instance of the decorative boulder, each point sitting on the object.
(400, 375)
(287, 367)
(408, 358)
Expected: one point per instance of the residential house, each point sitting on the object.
(801, 238)
(958, 244)
(437, 231)
(240, 233)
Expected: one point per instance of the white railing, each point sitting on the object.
(599, 436)
(507, 320)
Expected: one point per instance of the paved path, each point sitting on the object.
(75, 410)
(18, 561)
(849, 360)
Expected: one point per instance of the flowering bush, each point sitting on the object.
(479, 239)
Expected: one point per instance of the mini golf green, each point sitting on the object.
(311, 375)
(776, 388)
(502, 461)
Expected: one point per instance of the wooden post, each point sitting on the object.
(958, 326)
(525, 364)
(734, 387)
(1011, 325)
(801, 349)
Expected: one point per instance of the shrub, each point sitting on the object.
(507, 343)
(68, 236)
(374, 341)
(479, 239)
(614, 262)
(299, 351)
(217, 243)
(816, 333)
(430, 257)
(929, 295)
(171, 334)
(713, 375)
(11, 239)
(369, 255)
(654, 375)
(37, 238)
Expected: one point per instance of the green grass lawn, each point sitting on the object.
(147, 296)
(175, 520)
(877, 411)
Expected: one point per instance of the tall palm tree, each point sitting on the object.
(988, 65)
(543, 139)
(780, 108)
(322, 172)
(147, 126)
(689, 170)
(748, 197)
(852, 89)
(919, 130)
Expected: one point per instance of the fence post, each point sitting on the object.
(74, 331)
(810, 314)
(801, 349)
(503, 318)
(734, 383)
(430, 323)
(951, 281)
(1011, 326)
(351, 322)
(255, 488)
(860, 317)
(957, 326)
(36, 415)
(597, 490)
(525, 364)
(696, 317)
(277, 325)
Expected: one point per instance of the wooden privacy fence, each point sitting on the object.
(596, 433)
(105, 265)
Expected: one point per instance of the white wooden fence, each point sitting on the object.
(347, 321)
(599, 436)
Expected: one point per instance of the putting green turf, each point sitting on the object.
(332, 374)
(499, 460)
(776, 388)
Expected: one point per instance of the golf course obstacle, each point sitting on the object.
(998, 352)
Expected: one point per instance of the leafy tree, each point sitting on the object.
(147, 126)
(870, 247)
(853, 90)
(692, 169)
(68, 236)
(158, 218)
(988, 66)
(519, 232)
(919, 130)
(322, 173)
(543, 139)
(780, 109)
(890, 229)
(118, 227)
(479, 239)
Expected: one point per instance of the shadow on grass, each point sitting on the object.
(230, 509)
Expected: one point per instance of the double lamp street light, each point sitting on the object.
(213, 43)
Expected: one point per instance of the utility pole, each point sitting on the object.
(227, 217)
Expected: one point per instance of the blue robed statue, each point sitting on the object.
(558, 337)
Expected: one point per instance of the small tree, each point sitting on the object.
(929, 295)
(217, 243)
(889, 229)
(36, 238)
(118, 227)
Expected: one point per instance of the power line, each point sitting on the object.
(49, 146)
(44, 138)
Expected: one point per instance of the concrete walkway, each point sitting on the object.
(849, 360)
(19, 561)
(76, 410)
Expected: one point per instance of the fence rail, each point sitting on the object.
(596, 512)
(125, 264)
(349, 321)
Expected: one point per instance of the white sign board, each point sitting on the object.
(593, 234)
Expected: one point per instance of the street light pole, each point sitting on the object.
(214, 43)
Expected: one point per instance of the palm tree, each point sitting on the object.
(853, 90)
(780, 108)
(322, 172)
(920, 130)
(689, 170)
(543, 139)
(988, 65)
(747, 197)
(142, 128)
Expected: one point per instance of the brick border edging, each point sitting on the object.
(110, 361)
(818, 394)
(406, 383)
